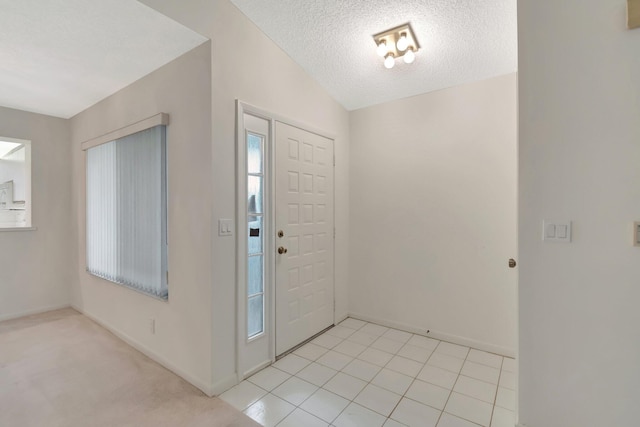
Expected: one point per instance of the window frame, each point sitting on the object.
(28, 207)
(263, 215)
(161, 119)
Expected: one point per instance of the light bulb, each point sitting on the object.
(409, 56)
(382, 48)
(403, 42)
(389, 60)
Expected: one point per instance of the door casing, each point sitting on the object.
(267, 346)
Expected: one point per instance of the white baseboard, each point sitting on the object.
(207, 389)
(339, 318)
(253, 370)
(223, 385)
(33, 311)
(479, 345)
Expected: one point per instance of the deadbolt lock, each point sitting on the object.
(282, 250)
(280, 233)
(512, 263)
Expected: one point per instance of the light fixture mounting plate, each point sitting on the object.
(391, 37)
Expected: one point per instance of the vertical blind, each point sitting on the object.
(127, 211)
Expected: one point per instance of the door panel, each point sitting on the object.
(304, 212)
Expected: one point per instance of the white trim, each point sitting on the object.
(15, 140)
(254, 369)
(455, 339)
(223, 385)
(339, 319)
(267, 115)
(18, 229)
(240, 245)
(270, 223)
(33, 311)
(203, 386)
(268, 333)
(158, 119)
(26, 144)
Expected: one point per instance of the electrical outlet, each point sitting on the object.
(152, 326)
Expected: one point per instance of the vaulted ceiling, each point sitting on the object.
(461, 41)
(61, 56)
(58, 57)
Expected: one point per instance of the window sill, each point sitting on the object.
(18, 229)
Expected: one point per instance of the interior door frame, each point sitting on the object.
(243, 108)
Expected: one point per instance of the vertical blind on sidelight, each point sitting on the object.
(127, 211)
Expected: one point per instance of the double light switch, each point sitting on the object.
(225, 227)
(556, 231)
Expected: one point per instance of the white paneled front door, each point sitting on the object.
(304, 235)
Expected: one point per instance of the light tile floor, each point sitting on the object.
(360, 374)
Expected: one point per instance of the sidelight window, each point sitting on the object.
(255, 235)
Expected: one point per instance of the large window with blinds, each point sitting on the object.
(127, 211)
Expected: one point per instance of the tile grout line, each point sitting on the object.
(452, 387)
(321, 387)
(295, 406)
(439, 340)
(414, 378)
(388, 417)
(495, 399)
(368, 383)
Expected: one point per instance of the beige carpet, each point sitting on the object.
(62, 369)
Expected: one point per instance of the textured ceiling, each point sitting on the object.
(461, 41)
(59, 57)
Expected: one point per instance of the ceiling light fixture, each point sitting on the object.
(403, 42)
(382, 48)
(398, 42)
(409, 56)
(389, 60)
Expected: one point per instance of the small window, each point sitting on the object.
(15, 183)
(255, 244)
(127, 211)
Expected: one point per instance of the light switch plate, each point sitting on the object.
(633, 14)
(556, 231)
(225, 227)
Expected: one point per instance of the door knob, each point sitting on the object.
(282, 250)
(512, 263)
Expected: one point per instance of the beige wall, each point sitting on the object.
(579, 92)
(434, 220)
(36, 266)
(182, 339)
(246, 65)
(194, 334)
